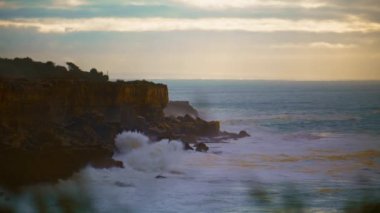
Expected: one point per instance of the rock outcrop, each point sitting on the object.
(180, 108)
(49, 129)
(53, 112)
(201, 147)
(54, 121)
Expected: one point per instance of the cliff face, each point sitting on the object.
(180, 108)
(50, 129)
(54, 121)
(58, 98)
(32, 104)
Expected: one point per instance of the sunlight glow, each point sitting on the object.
(54, 25)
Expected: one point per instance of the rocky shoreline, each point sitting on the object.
(55, 121)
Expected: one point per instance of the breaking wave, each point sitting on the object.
(135, 151)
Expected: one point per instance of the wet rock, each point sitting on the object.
(20, 168)
(187, 118)
(107, 163)
(230, 135)
(180, 108)
(191, 139)
(186, 146)
(201, 147)
(212, 128)
(243, 134)
(73, 119)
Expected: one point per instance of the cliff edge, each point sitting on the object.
(56, 120)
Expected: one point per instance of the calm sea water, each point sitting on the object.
(336, 107)
(314, 147)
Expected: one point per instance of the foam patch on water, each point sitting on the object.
(135, 151)
(308, 136)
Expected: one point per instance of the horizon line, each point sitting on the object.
(232, 79)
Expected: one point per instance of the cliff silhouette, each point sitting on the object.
(55, 120)
(26, 68)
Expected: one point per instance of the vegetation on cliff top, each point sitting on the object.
(26, 68)
(66, 115)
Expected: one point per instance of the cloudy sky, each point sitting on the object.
(199, 39)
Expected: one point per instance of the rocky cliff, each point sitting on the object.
(33, 105)
(49, 129)
(54, 121)
(180, 108)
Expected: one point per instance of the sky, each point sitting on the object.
(199, 39)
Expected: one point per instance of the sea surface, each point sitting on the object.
(314, 147)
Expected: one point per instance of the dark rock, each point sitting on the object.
(188, 118)
(72, 117)
(229, 135)
(212, 128)
(141, 123)
(191, 139)
(180, 108)
(19, 168)
(243, 134)
(106, 163)
(54, 122)
(159, 133)
(197, 127)
(186, 146)
(160, 177)
(201, 147)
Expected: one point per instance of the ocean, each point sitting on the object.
(287, 107)
(314, 147)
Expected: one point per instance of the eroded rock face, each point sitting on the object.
(74, 111)
(243, 134)
(184, 128)
(57, 127)
(25, 101)
(54, 121)
(180, 108)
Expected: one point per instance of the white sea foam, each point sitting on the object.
(135, 150)
(208, 182)
(127, 141)
(308, 136)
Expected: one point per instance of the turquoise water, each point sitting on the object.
(336, 107)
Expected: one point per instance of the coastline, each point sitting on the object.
(52, 113)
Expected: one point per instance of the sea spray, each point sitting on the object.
(127, 141)
(135, 151)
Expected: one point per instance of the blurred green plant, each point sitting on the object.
(288, 198)
(70, 197)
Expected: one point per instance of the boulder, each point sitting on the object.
(243, 134)
(180, 108)
(186, 146)
(201, 147)
(211, 128)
